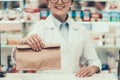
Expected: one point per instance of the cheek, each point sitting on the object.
(67, 9)
(68, 6)
(50, 6)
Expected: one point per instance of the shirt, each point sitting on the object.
(63, 27)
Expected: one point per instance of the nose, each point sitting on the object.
(60, 1)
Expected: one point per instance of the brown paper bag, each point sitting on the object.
(46, 59)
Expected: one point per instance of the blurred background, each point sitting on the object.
(100, 17)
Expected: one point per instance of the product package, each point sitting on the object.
(46, 59)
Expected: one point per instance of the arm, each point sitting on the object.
(90, 58)
(33, 39)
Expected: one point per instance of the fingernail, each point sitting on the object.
(40, 49)
(33, 48)
(37, 49)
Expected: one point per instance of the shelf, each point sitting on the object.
(97, 22)
(12, 26)
(98, 0)
(10, 0)
(75, 0)
(31, 22)
(10, 22)
(2, 22)
(108, 46)
(7, 46)
(105, 46)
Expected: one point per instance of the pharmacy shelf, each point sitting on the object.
(10, 22)
(105, 46)
(10, 0)
(108, 46)
(75, 0)
(98, 0)
(7, 46)
(16, 21)
(76, 21)
(10, 26)
(98, 22)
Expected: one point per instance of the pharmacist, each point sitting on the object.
(78, 54)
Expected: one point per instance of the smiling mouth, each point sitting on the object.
(59, 7)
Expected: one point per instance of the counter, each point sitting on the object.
(58, 76)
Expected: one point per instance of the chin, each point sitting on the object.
(60, 14)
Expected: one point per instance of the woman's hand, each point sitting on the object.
(87, 71)
(34, 41)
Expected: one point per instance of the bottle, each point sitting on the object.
(74, 15)
(119, 67)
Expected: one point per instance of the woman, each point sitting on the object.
(58, 28)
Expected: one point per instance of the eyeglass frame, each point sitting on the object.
(61, 0)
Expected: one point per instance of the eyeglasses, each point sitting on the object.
(55, 1)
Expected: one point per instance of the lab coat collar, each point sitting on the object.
(56, 21)
(50, 23)
(73, 28)
(72, 24)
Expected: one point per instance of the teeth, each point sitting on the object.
(59, 7)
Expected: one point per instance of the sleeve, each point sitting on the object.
(12, 56)
(89, 52)
(38, 28)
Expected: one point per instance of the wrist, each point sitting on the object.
(94, 69)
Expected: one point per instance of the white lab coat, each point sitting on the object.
(78, 50)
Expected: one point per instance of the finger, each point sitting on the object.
(84, 73)
(81, 71)
(89, 74)
(30, 44)
(37, 41)
(33, 43)
(40, 41)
